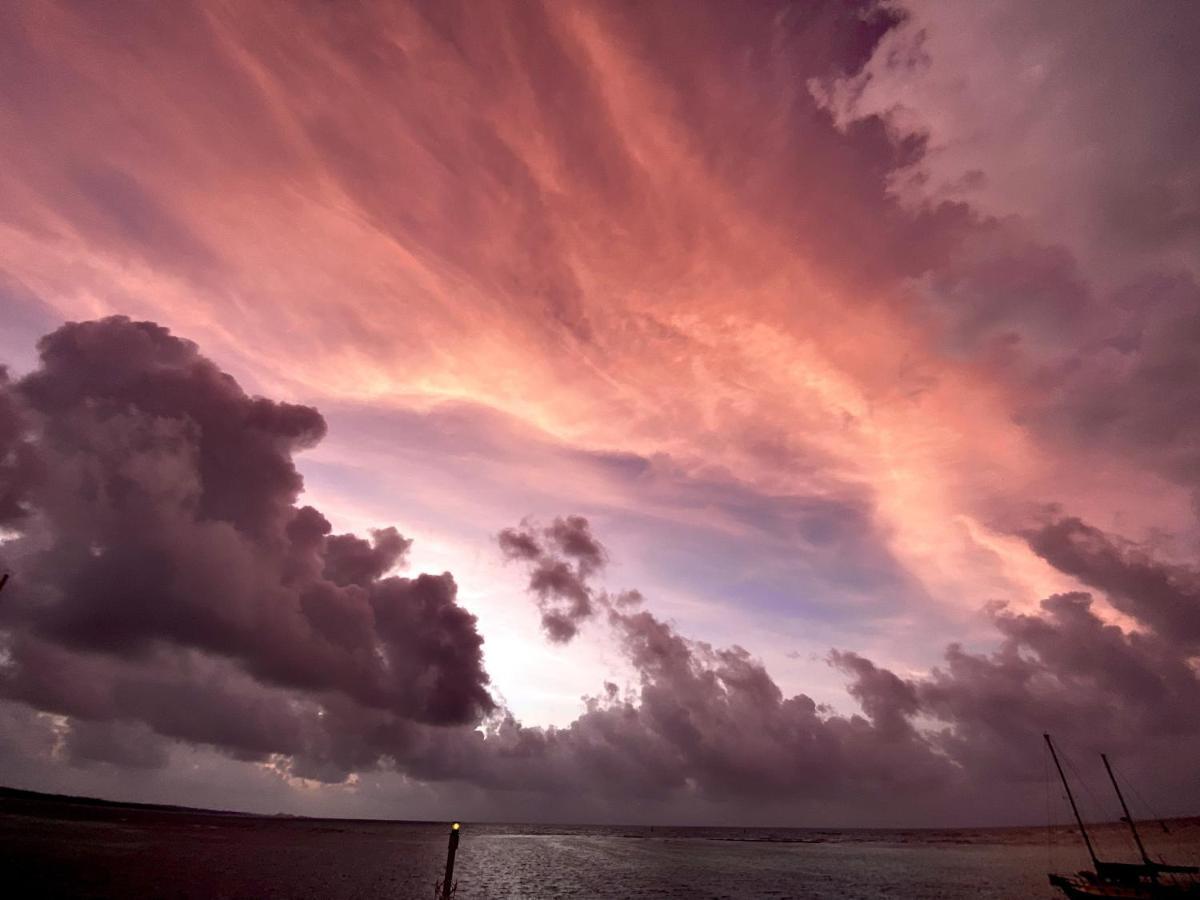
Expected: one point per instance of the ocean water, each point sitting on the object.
(55, 848)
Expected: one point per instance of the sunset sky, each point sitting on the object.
(860, 340)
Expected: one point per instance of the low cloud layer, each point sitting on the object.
(713, 721)
(167, 590)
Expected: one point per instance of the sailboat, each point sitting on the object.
(1146, 879)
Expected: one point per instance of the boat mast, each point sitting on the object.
(1125, 809)
(1071, 797)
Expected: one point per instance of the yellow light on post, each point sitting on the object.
(447, 884)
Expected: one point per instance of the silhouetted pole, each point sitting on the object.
(1074, 808)
(448, 879)
(3, 580)
(1125, 809)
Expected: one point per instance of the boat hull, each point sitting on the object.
(1079, 888)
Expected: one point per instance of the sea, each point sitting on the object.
(63, 847)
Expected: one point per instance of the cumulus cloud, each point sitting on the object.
(169, 592)
(562, 557)
(706, 723)
(17, 461)
(1164, 596)
(164, 573)
(713, 722)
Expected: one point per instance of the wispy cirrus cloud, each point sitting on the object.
(804, 316)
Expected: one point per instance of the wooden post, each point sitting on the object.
(448, 878)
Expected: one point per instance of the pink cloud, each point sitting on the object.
(832, 299)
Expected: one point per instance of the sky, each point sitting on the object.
(598, 411)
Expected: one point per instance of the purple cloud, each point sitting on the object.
(161, 519)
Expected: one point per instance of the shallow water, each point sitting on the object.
(52, 848)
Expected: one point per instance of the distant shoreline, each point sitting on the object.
(30, 796)
(10, 793)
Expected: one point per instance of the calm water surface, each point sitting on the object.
(59, 849)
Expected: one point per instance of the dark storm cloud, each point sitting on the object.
(168, 587)
(1002, 296)
(563, 556)
(17, 462)
(1132, 389)
(888, 701)
(351, 560)
(1164, 597)
(122, 745)
(170, 593)
(1076, 261)
(160, 522)
(1017, 126)
(713, 722)
(1095, 686)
